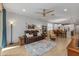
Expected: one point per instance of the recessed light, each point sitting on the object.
(24, 10)
(65, 10)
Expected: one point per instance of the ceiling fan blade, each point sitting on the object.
(43, 14)
(52, 14)
(50, 11)
(39, 12)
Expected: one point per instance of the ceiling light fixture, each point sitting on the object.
(65, 10)
(24, 10)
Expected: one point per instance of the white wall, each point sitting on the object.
(19, 25)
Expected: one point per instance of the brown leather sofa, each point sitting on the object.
(26, 40)
(33, 39)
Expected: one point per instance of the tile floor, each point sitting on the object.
(59, 50)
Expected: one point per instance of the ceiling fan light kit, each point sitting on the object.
(45, 12)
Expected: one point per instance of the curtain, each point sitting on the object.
(4, 37)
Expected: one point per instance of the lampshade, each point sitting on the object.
(11, 22)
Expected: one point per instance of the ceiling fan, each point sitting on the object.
(45, 12)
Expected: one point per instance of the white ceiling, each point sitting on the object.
(71, 16)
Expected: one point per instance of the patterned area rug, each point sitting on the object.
(40, 47)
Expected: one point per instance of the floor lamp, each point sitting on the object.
(11, 26)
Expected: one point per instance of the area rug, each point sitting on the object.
(40, 47)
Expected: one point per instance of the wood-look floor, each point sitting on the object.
(59, 50)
